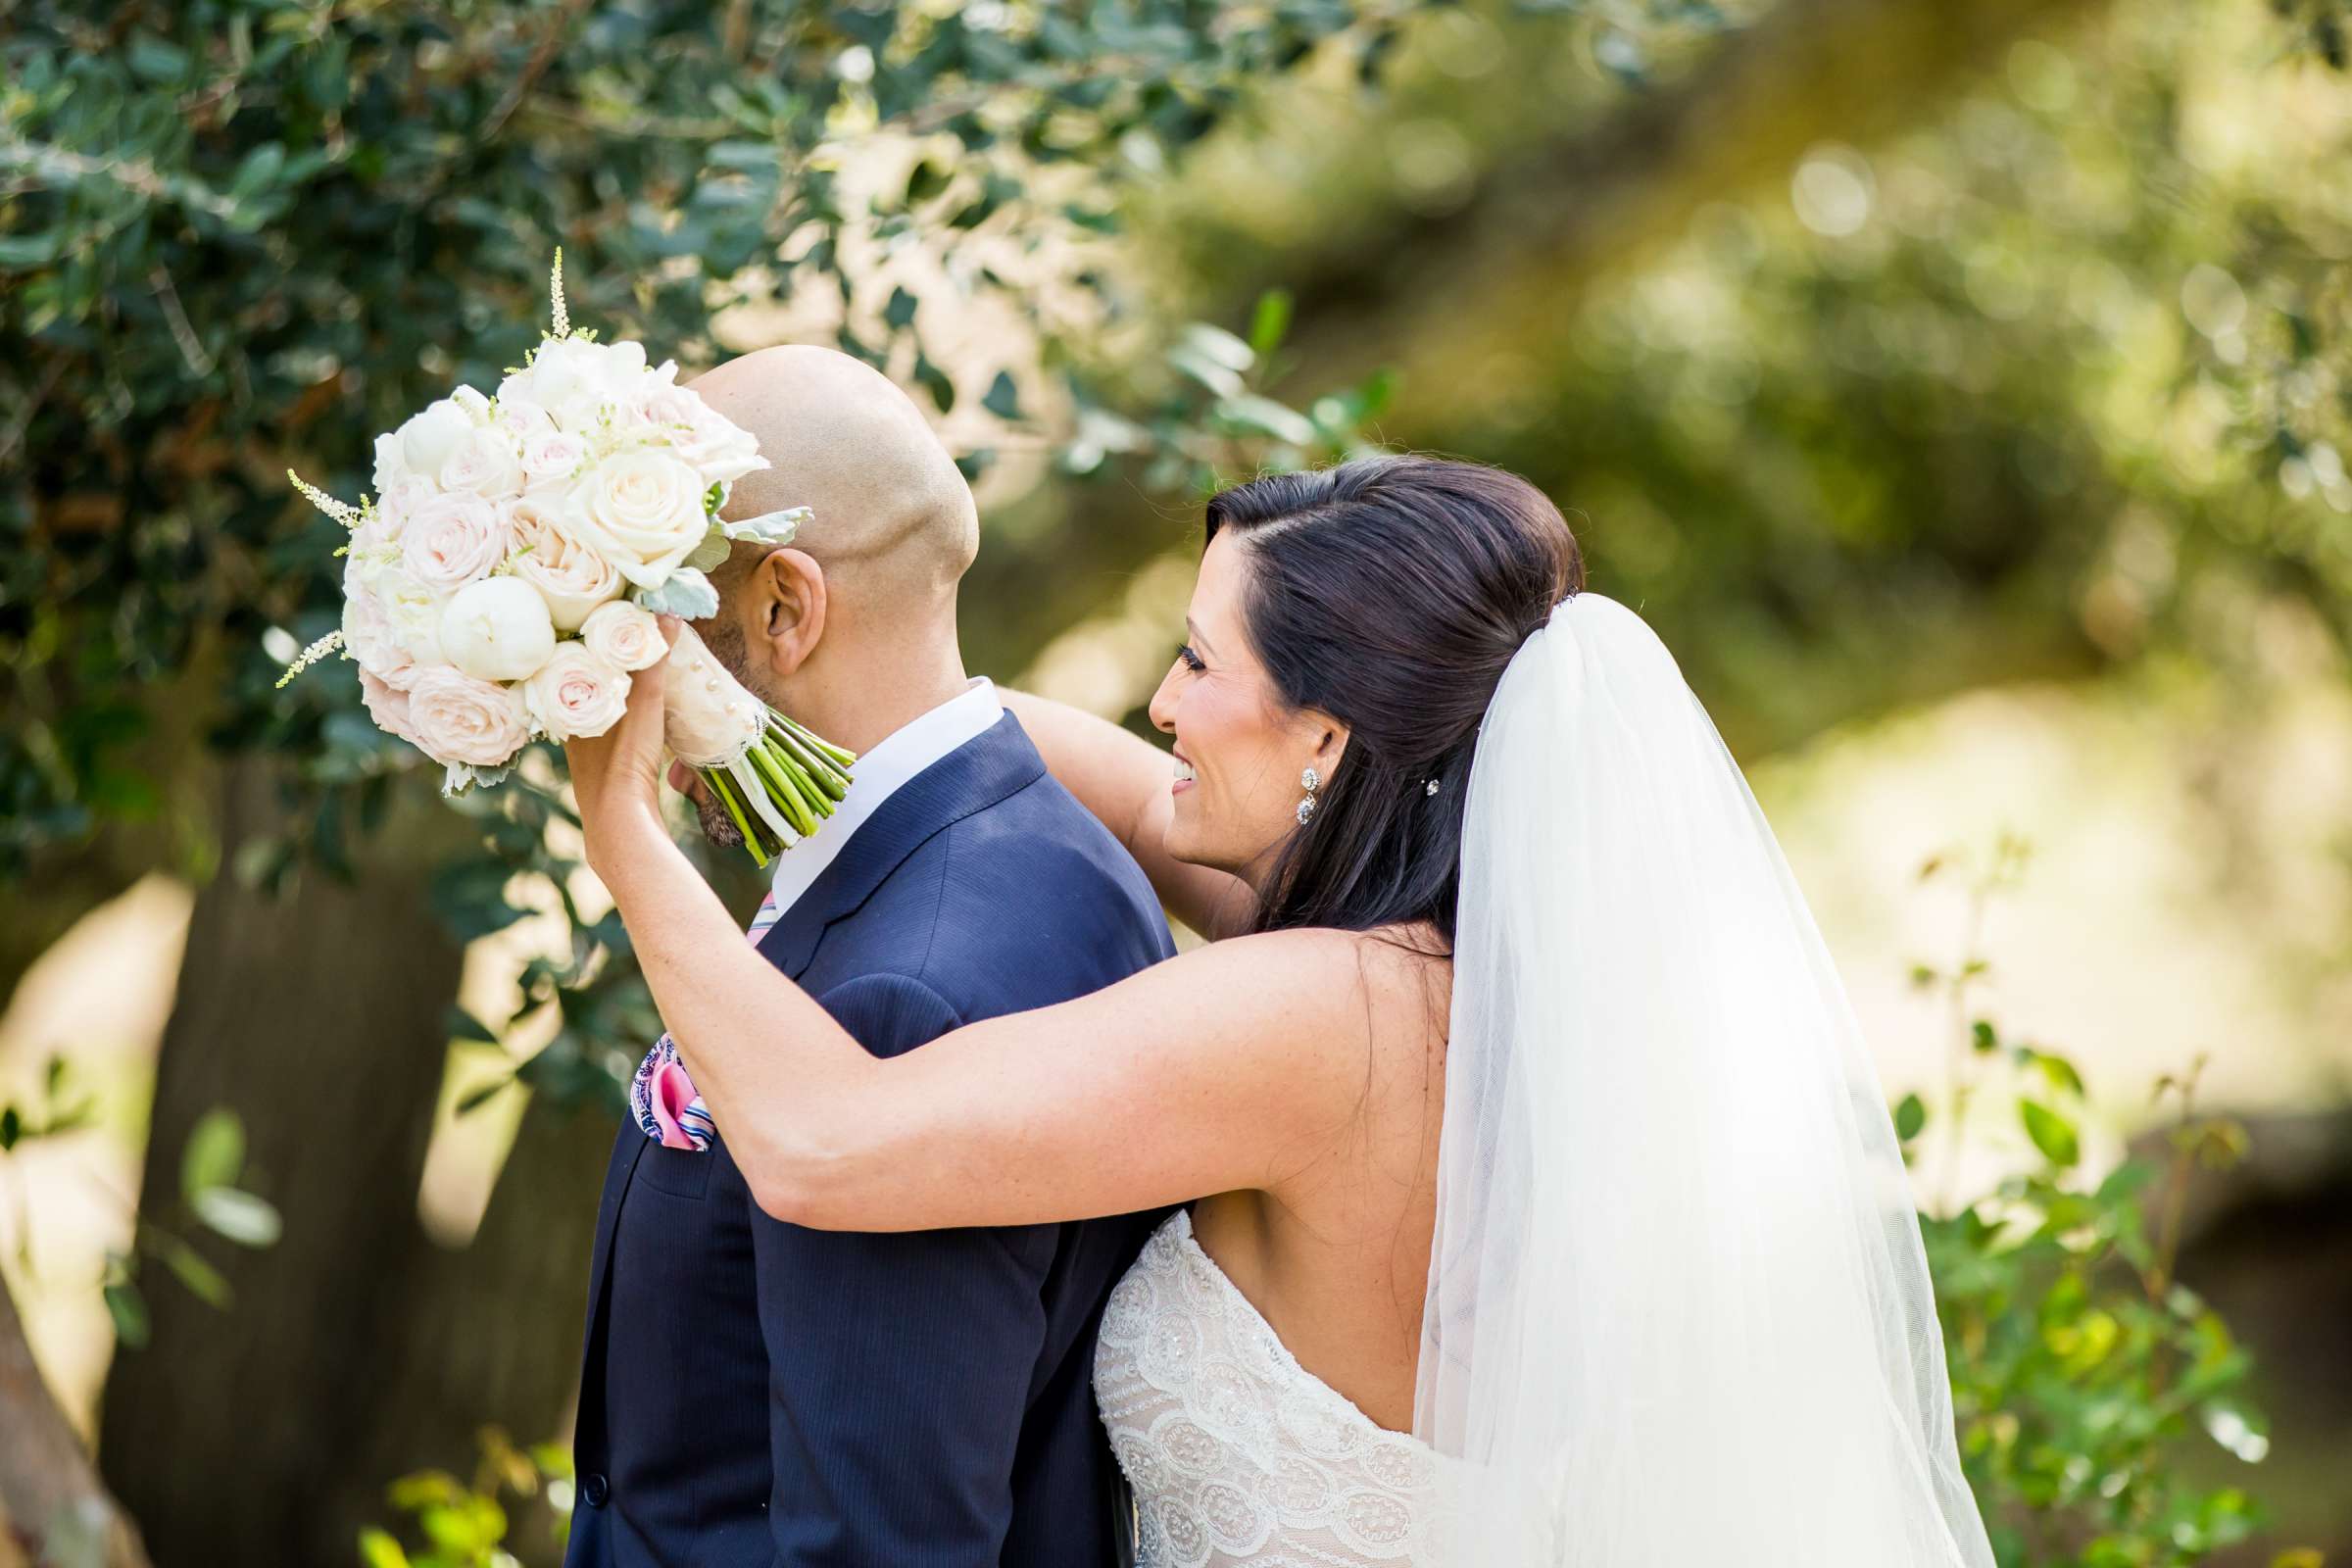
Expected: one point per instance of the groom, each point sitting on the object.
(754, 1392)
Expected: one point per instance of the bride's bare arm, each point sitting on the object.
(1225, 1068)
(1123, 779)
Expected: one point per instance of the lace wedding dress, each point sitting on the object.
(1237, 1454)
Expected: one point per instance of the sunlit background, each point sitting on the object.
(1959, 390)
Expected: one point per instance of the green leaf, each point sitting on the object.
(936, 382)
(260, 167)
(1909, 1117)
(30, 250)
(2060, 1073)
(1981, 1038)
(685, 593)
(1268, 417)
(129, 1312)
(215, 1153)
(204, 1282)
(424, 1489)
(12, 1126)
(1270, 322)
(1004, 399)
(900, 312)
(238, 1215)
(378, 1549)
(2051, 1133)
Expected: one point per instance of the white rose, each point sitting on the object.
(391, 463)
(457, 719)
(576, 694)
(388, 706)
(368, 634)
(452, 539)
(497, 629)
(642, 510)
(553, 455)
(428, 438)
(624, 636)
(471, 403)
(485, 463)
(414, 614)
(572, 578)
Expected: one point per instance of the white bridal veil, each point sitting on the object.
(1678, 1312)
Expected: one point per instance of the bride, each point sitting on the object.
(1556, 1214)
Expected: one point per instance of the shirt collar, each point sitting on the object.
(879, 773)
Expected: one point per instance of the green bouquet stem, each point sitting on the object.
(801, 778)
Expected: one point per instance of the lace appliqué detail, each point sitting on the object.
(1237, 1454)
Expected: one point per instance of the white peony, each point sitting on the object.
(497, 629)
(457, 719)
(575, 694)
(574, 379)
(487, 462)
(642, 510)
(720, 450)
(391, 463)
(428, 438)
(572, 578)
(471, 403)
(452, 539)
(624, 636)
(414, 614)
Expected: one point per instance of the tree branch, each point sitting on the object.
(51, 1498)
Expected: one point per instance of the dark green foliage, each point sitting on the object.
(239, 235)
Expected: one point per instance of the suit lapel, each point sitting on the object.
(987, 768)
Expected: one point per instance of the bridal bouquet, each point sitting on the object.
(501, 582)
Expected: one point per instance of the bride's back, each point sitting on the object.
(1334, 1251)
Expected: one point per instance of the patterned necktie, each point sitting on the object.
(662, 1095)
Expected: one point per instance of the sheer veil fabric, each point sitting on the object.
(1677, 1310)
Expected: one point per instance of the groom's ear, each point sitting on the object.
(789, 608)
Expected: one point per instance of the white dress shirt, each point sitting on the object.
(878, 774)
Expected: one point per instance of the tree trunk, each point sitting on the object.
(492, 1335)
(356, 1349)
(52, 1503)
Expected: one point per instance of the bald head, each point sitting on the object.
(891, 514)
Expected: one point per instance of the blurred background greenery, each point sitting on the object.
(1961, 389)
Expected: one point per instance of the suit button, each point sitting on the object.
(594, 1489)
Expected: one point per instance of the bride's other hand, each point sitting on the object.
(616, 776)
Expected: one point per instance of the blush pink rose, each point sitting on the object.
(452, 539)
(457, 719)
(576, 694)
(387, 705)
(625, 635)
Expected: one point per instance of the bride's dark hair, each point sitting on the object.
(1391, 593)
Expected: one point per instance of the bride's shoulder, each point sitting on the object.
(1323, 967)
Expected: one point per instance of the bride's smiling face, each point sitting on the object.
(1239, 748)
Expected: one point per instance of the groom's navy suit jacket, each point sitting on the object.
(758, 1394)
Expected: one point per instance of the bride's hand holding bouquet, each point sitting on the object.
(502, 584)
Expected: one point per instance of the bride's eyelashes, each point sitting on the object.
(1190, 660)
